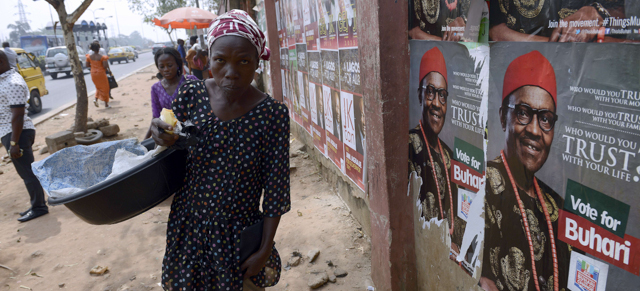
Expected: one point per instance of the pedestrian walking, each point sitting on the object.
(11, 55)
(242, 152)
(18, 134)
(99, 65)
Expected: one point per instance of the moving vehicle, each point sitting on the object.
(157, 46)
(57, 60)
(32, 75)
(39, 44)
(120, 54)
(131, 49)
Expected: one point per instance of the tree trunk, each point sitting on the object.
(82, 105)
(169, 31)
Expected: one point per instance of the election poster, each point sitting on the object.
(328, 24)
(284, 73)
(332, 106)
(347, 28)
(303, 85)
(448, 87)
(353, 121)
(294, 85)
(565, 21)
(564, 164)
(448, 20)
(316, 100)
(281, 21)
(311, 29)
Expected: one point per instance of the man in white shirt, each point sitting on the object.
(11, 55)
(18, 133)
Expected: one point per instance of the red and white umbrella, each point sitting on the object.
(186, 17)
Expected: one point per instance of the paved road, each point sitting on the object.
(63, 90)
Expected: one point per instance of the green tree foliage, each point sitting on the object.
(18, 29)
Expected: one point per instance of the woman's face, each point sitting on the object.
(168, 67)
(234, 61)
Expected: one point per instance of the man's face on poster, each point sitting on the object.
(531, 142)
(433, 86)
(336, 107)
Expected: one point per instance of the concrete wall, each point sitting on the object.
(355, 198)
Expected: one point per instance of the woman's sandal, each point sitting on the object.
(95, 102)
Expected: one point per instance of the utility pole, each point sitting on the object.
(54, 26)
(114, 8)
(21, 13)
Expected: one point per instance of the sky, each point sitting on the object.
(37, 12)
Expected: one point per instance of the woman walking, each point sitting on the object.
(163, 92)
(99, 65)
(242, 152)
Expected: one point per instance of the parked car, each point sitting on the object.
(57, 59)
(120, 54)
(157, 46)
(131, 49)
(32, 75)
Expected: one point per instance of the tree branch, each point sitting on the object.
(54, 3)
(79, 11)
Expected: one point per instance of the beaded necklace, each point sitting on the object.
(526, 227)
(435, 178)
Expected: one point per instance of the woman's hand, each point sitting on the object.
(159, 134)
(254, 263)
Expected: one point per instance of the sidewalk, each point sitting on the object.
(57, 251)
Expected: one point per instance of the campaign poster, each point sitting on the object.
(311, 29)
(448, 85)
(303, 85)
(448, 20)
(563, 164)
(284, 73)
(332, 106)
(291, 19)
(328, 24)
(294, 86)
(316, 100)
(281, 21)
(565, 21)
(347, 28)
(298, 21)
(353, 121)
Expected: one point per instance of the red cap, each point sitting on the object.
(531, 69)
(433, 61)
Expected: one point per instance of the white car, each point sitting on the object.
(57, 60)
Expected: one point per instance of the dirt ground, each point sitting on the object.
(57, 251)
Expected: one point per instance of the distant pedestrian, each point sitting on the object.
(102, 51)
(183, 53)
(11, 55)
(171, 77)
(18, 133)
(193, 42)
(99, 65)
(200, 65)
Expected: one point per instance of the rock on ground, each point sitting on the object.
(318, 280)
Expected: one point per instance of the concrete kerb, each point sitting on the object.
(54, 112)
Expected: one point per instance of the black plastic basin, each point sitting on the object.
(132, 192)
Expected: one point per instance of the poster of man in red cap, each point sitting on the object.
(565, 21)
(564, 162)
(446, 159)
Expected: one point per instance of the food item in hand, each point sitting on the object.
(167, 116)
